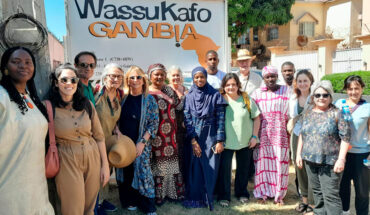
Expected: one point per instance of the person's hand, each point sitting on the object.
(197, 151)
(339, 165)
(299, 161)
(117, 131)
(104, 174)
(219, 147)
(252, 143)
(139, 148)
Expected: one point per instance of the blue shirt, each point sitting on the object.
(360, 141)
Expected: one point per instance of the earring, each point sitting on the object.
(6, 72)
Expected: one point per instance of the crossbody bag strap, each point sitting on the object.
(49, 109)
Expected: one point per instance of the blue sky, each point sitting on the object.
(55, 17)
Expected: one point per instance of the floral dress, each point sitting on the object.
(165, 161)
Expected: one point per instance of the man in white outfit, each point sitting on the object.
(250, 80)
(214, 76)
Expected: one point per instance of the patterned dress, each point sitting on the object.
(271, 157)
(165, 161)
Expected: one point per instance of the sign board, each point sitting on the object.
(143, 32)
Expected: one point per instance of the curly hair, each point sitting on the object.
(7, 83)
(226, 78)
(80, 102)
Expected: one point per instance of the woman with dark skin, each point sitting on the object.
(23, 128)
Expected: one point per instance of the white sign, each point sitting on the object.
(143, 32)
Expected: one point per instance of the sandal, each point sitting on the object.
(279, 202)
(309, 210)
(262, 201)
(243, 200)
(302, 207)
(224, 203)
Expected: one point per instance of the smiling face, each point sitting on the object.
(68, 88)
(231, 87)
(303, 83)
(20, 66)
(321, 103)
(85, 73)
(114, 78)
(354, 91)
(135, 81)
(270, 80)
(175, 77)
(157, 78)
(244, 66)
(199, 79)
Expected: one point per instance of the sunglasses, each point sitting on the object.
(65, 80)
(118, 77)
(139, 77)
(324, 95)
(86, 65)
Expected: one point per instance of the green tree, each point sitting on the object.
(245, 14)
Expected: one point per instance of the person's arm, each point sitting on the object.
(98, 135)
(256, 127)
(339, 164)
(299, 161)
(190, 130)
(344, 131)
(151, 125)
(220, 120)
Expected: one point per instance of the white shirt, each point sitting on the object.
(216, 79)
(250, 83)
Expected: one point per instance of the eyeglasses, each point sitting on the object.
(139, 77)
(65, 80)
(86, 65)
(319, 95)
(112, 76)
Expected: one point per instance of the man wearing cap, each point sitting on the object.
(250, 80)
(214, 76)
(287, 70)
(85, 63)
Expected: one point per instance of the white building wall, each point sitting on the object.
(347, 60)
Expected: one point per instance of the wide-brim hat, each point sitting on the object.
(243, 54)
(122, 152)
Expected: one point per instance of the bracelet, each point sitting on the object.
(143, 140)
(253, 136)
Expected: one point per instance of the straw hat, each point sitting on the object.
(243, 54)
(123, 151)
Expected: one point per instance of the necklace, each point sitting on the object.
(29, 104)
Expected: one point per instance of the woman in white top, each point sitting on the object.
(298, 104)
(23, 128)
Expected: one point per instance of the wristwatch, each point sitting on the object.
(143, 140)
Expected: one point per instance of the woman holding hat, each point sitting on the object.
(322, 145)
(165, 163)
(108, 99)
(271, 156)
(205, 124)
(23, 128)
(138, 121)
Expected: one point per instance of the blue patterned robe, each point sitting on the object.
(143, 177)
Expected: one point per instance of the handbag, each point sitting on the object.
(52, 157)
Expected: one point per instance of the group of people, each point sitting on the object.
(185, 139)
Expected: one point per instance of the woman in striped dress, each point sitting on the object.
(271, 157)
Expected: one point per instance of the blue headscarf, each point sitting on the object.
(203, 100)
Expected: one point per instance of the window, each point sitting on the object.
(307, 29)
(255, 34)
(244, 38)
(272, 33)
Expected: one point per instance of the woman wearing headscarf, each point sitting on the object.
(108, 97)
(23, 128)
(271, 156)
(165, 160)
(205, 123)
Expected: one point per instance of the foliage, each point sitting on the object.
(337, 80)
(245, 14)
